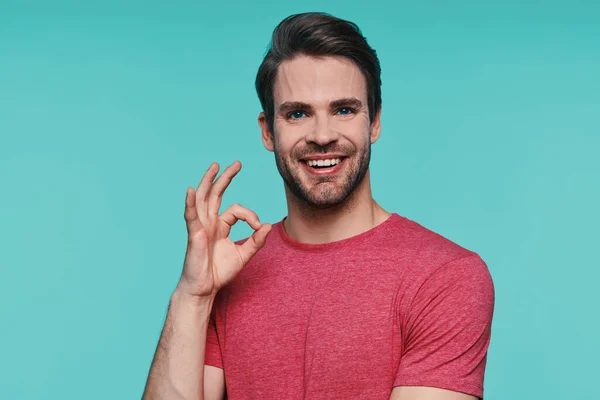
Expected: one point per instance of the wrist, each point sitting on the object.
(181, 297)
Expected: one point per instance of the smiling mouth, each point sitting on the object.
(324, 168)
(323, 164)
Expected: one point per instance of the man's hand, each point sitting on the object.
(212, 259)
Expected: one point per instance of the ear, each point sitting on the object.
(267, 136)
(376, 127)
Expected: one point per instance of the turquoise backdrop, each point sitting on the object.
(110, 109)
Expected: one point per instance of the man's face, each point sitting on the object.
(322, 117)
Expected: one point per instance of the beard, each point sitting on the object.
(325, 191)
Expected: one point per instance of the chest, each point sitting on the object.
(314, 328)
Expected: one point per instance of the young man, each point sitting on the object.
(341, 299)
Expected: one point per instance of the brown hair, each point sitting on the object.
(317, 34)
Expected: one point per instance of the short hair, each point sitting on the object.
(317, 34)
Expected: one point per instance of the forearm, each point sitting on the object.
(177, 371)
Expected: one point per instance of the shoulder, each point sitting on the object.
(422, 254)
(423, 244)
(442, 268)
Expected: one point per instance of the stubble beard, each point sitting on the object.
(323, 195)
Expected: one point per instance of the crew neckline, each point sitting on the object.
(338, 244)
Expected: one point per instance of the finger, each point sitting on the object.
(236, 212)
(218, 188)
(190, 214)
(204, 188)
(254, 243)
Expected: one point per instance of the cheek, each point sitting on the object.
(289, 135)
(283, 145)
(355, 129)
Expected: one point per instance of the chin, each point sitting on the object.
(322, 198)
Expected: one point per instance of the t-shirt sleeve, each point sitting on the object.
(447, 329)
(212, 354)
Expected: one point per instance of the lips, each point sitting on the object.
(330, 162)
(325, 170)
(330, 156)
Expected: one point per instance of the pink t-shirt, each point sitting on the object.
(398, 305)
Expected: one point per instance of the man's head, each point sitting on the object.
(320, 89)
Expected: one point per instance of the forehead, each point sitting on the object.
(318, 80)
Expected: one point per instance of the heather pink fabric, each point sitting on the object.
(396, 305)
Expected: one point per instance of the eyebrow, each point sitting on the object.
(288, 106)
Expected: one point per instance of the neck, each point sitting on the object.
(355, 215)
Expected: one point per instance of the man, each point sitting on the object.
(341, 299)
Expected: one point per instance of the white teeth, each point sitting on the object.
(323, 163)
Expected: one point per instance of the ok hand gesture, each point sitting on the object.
(212, 259)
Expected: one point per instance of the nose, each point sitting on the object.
(322, 132)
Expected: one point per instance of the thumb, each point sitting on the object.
(254, 243)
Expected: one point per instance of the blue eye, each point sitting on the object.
(296, 114)
(345, 111)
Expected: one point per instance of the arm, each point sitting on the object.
(427, 393)
(212, 261)
(178, 371)
(447, 332)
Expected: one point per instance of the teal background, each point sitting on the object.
(109, 110)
